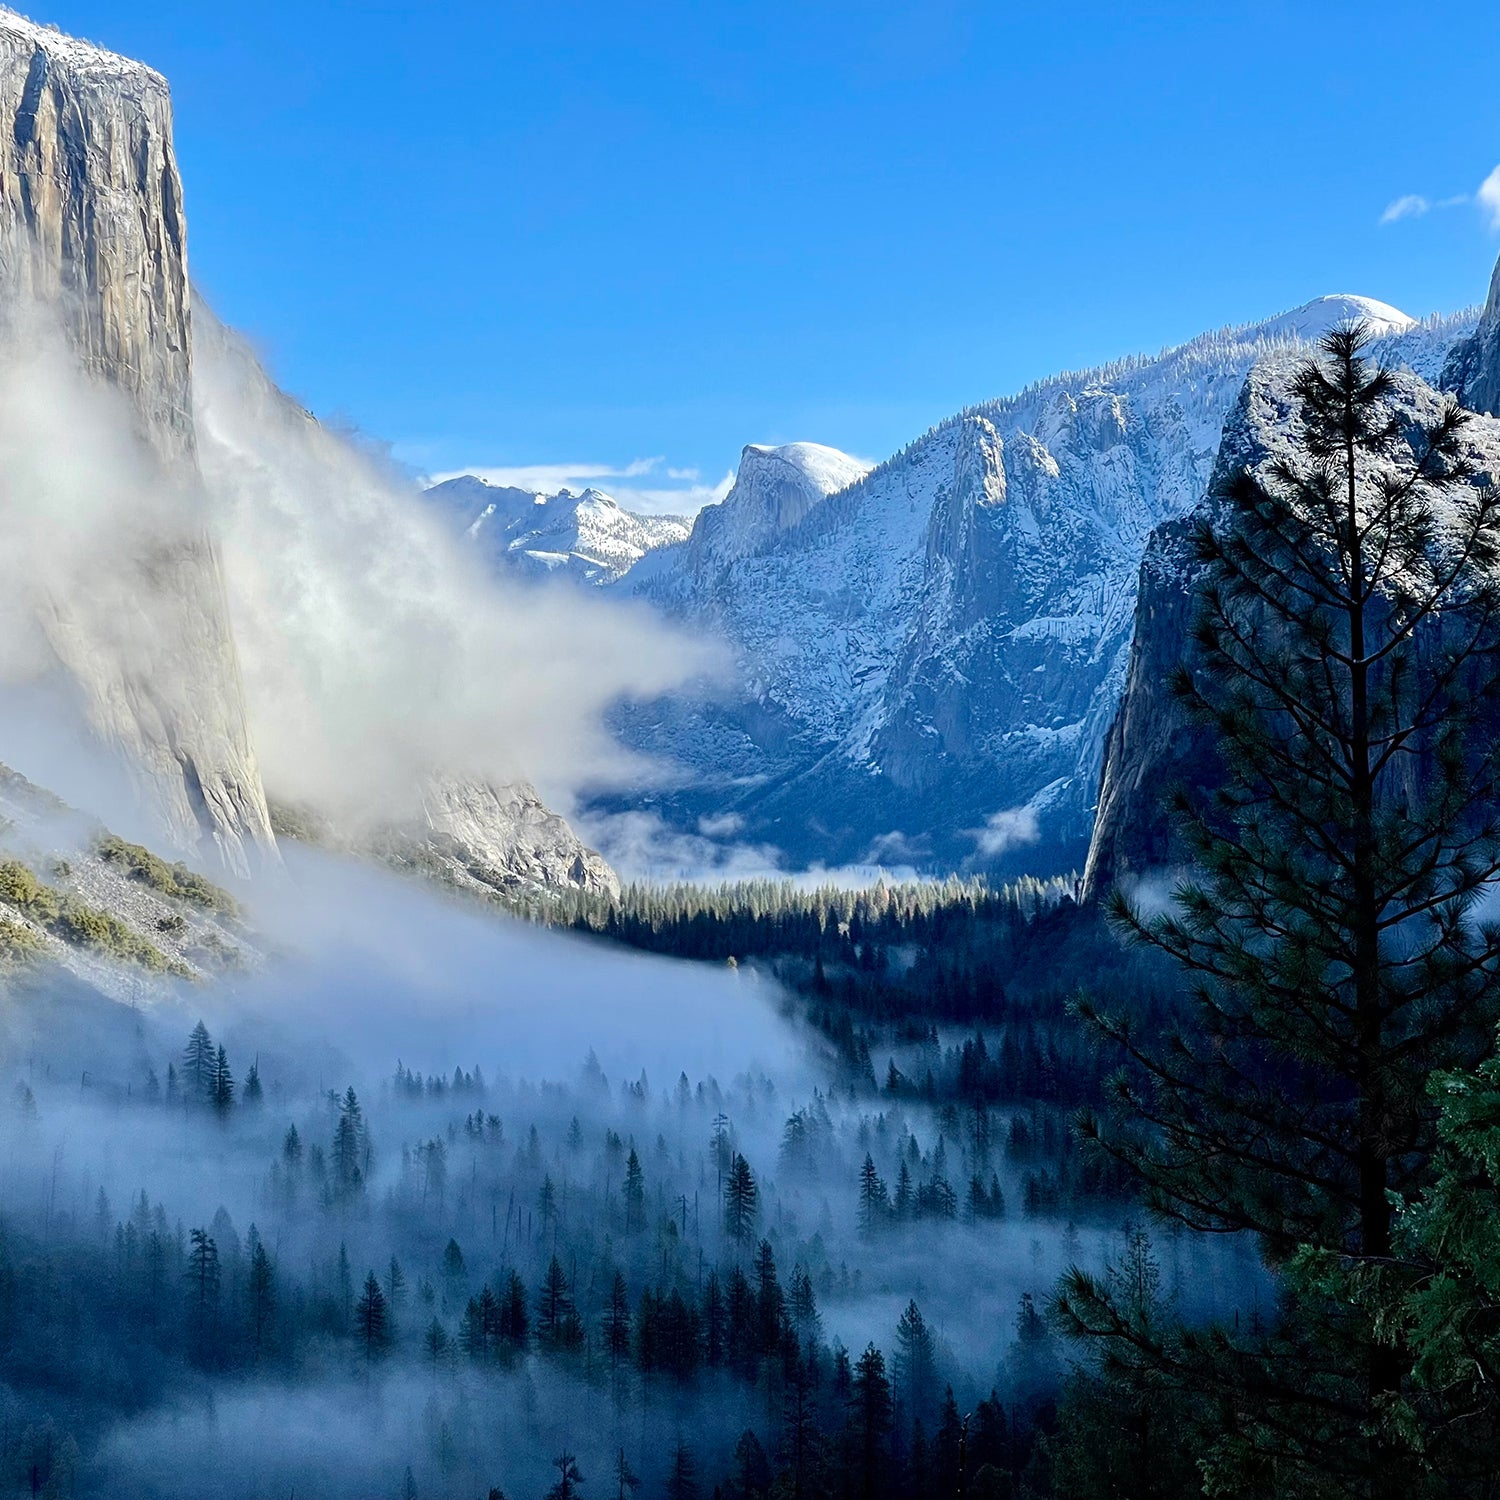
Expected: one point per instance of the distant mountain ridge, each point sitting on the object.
(930, 652)
(588, 536)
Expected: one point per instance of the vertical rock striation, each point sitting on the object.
(92, 233)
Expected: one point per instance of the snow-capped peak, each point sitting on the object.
(86, 60)
(774, 489)
(822, 470)
(1313, 319)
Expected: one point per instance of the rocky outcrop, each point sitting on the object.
(1152, 746)
(92, 240)
(774, 490)
(1473, 370)
(496, 841)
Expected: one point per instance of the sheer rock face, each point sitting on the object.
(92, 231)
(91, 217)
(1152, 747)
(1473, 371)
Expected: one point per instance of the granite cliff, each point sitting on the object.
(92, 243)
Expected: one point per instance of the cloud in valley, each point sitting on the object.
(374, 647)
(1010, 828)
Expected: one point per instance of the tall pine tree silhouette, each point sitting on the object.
(1345, 661)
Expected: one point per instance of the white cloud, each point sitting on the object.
(1005, 830)
(897, 848)
(1488, 198)
(549, 478)
(374, 647)
(1408, 206)
(721, 825)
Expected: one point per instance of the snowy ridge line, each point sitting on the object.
(88, 57)
(1201, 349)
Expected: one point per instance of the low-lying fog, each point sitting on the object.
(569, 1056)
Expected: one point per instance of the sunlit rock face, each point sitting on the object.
(1152, 747)
(92, 243)
(91, 218)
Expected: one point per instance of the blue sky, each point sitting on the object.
(616, 237)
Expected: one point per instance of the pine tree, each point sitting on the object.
(870, 1417)
(682, 1478)
(223, 1085)
(202, 1276)
(435, 1341)
(395, 1288)
(198, 1061)
(873, 1204)
(371, 1317)
(616, 1324)
(740, 1200)
(635, 1192)
(349, 1146)
(1345, 664)
(260, 1291)
(203, 1270)
(253, 1095)
(916, 1361)
(515, 1320)
(627, 1481)
(569, 1479)
(554, 1305)
(752, 1469)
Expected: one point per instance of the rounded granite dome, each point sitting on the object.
(1313, 319)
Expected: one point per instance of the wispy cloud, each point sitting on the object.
(1408, 206)
(1486, 198)
(682, 493)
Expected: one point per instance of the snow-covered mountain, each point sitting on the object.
(589, 537)
(931, 652)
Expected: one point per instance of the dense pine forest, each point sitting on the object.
(714, 1286)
